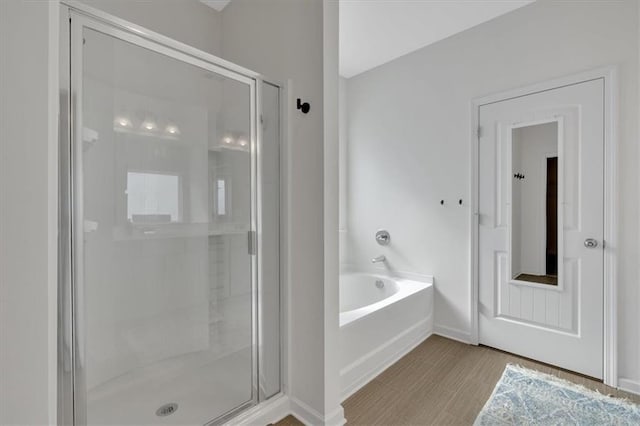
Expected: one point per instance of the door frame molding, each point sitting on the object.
(610, 291)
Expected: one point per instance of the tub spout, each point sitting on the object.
(378, 259)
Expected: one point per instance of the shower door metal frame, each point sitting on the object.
(75, 16)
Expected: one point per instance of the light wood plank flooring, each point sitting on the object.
(441, 382)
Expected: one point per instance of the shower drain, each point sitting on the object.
(167, 409)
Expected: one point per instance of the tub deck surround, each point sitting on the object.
(382, 317)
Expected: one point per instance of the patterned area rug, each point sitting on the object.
(527, 397)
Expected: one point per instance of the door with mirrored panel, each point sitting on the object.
(541, 195)
(163, 206)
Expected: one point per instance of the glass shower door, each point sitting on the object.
(164, 278)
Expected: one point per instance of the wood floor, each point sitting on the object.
(441, 382)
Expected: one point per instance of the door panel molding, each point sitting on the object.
(609, 77)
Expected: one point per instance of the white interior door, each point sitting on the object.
(528, 305)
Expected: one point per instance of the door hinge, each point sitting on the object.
(479, 132)
(252, 242)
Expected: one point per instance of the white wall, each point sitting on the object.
(28, 216)
(409, 144)
(283, 39)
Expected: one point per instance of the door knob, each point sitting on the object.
(591, 243)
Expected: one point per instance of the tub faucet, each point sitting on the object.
(380, 258)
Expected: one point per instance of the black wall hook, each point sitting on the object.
(518, 176)
(304, 107)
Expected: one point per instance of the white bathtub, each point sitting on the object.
(380, 323)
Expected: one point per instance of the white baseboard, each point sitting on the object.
(311, 417)
(365, 369)
(452, 333)
(271, 411)
(336, 417)
(281, 406)
(629, 385)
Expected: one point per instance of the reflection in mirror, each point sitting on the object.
(534, 207)
(153, 197)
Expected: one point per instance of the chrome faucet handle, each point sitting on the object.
(378, 259)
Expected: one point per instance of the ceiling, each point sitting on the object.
(216, 4)
(373, 32)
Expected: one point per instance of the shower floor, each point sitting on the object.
(203, 385)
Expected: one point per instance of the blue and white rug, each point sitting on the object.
(527, 397)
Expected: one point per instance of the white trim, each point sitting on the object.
(286, 97)
(621, 380)
(624, 381)
(610, 321)
(281, 406)
(310, 416)
(336, 417)
(474, 220)
(610, 343)
(604, 72)
(52, 205)
(305, 413)
(270, 411)
(628, 385)
(452, 333)
(366, 368)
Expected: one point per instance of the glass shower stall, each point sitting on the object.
(170, 210)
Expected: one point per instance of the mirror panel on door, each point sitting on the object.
(534, 203)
